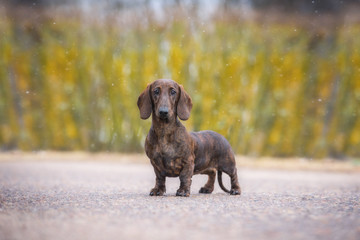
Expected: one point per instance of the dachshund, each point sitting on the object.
(173, 151)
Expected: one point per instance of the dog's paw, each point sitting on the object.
(205, 190)
(183, 193)
(235, 192)
(156, 192)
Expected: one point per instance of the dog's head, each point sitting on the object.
(166, 100)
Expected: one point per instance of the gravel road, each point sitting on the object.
(109, 200)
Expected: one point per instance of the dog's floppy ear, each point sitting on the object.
(144, 103)
(184, 105)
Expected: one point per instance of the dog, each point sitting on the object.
(173, 151)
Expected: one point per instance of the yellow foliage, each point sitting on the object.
(269, 90)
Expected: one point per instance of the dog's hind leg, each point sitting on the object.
(209, 186)
(229, 167)
(235, 187)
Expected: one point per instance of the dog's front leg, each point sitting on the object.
(185, 179)
(159, 188)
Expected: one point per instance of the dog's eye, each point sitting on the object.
(172, 92)
(156, 91)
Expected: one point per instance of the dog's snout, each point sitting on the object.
(163, 111)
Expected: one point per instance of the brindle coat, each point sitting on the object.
(173, 151)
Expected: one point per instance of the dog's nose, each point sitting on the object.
(163, 111)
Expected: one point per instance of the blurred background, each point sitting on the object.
(275, 77)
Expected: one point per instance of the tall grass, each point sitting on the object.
(271, 89)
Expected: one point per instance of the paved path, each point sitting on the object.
(109, 200)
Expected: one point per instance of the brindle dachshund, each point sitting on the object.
(173, 151)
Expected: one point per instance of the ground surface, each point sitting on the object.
(109, 200)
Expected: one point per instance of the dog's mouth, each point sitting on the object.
(164, 118)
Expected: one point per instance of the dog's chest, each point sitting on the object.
(168, 158)
(170, 152)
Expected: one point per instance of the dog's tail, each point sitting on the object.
(221, 183)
